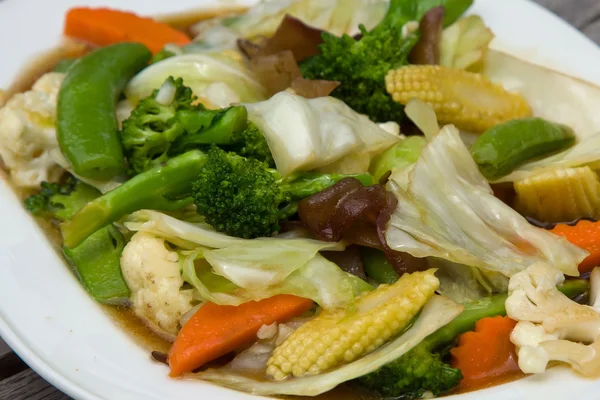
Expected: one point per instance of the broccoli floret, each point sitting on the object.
(152, 127)
(60, 201)
(243, 197)
(411, 375)
(156, 132)
(228, 128)
(361, 65)
(252, 144)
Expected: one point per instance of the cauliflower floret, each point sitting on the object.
(551, 327)
(27, 133)
(152, 272)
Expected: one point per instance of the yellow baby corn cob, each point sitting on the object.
(339, 336)
(560, 195)
(466, 99)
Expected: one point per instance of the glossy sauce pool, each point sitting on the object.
(123, 317)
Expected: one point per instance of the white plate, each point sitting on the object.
(48, 319)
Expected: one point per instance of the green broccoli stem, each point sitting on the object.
(306, 184)
(487, 307)
(153, 189)
(219, 127)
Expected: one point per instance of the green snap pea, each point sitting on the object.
(501, 149)
(377, 267)
(87, 126)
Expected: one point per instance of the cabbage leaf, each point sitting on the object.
(446, 209)
(553, 96)
(217, 79)
(239, 274)
(305, 134)
(335, 16)
(436, 313)
(230, 271)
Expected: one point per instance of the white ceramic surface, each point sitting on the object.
(46, 316)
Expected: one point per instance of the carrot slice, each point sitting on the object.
(104, 26)
(486, 354)
(585, 234)
(214, 330)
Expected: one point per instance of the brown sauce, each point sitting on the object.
(121, 316)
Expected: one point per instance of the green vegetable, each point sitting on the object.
(155, 131)
(243, 197)
(152, 127)
(87, 127)
(165, 187)
(161, 55)
(228, 128)
(505, 147)
(361, 65)
(399, 156)
(411, 375)
(97, 260)
(423, 369)
(63, 65)
(377, 266)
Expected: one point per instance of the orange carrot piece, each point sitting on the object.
(585, 234)
(486, 354)
(104, 26)
(214, 331)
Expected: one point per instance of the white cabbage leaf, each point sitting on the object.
(437, 312)
(305, 134)
(217, 79)
(446, 209)
(551, 95)
(243, 273)
(230, 271)
(335, 16)
(463, 283)
(464, 44)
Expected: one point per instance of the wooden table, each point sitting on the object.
(18, 382)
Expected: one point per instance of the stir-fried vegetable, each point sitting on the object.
(105, 26)
(165, 187)
(504, 147)
(86, 118)
(422, 369)
(401, 155)
(251, 194)
(551, 327)
(468, 100)
(304, 134)
(446, 209)
(217, 79)
(28, 135)
(96, 260)
(214, 330)
(584, 234)
(167, 124)
(437, 312)
(464, 44)
(243, 197)
(486, 353)
(336, 337)
(559, 195)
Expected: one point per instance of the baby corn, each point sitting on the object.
(560, 195)
(339, 336)
(468, 100)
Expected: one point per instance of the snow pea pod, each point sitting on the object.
(504, 147)
(87, 126)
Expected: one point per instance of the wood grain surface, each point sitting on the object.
(18, 382)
